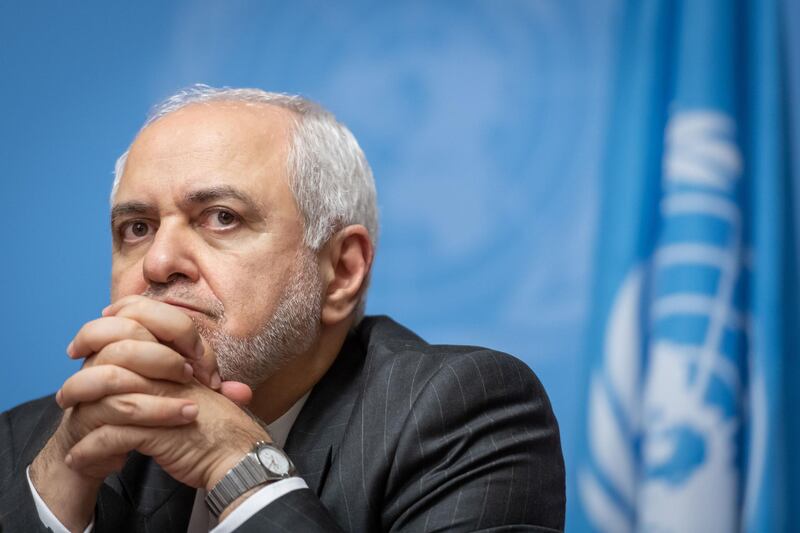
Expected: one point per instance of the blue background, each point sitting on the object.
(484, 123)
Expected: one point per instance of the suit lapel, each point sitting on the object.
(146, 485)
(158, 502)
(315, 436)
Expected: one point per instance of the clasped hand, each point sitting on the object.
(147, 384)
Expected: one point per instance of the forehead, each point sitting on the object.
(207, 145)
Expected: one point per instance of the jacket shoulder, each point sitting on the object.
(393, 348)
(23, 431)
(456, 423)
(25, 412)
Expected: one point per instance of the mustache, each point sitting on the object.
(185, 295)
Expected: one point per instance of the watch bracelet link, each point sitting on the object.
(249, 474)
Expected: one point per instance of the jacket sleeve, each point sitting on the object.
(299, 510)
(481, 450)
(23, 432)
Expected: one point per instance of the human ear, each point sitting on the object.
(347, 261)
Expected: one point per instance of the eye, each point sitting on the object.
(135, 231)
(221, 219)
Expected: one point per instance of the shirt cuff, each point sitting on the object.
(252, 505)
(46, 515)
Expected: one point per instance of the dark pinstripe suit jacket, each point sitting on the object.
(398, 435)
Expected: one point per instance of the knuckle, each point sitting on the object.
(130, 328)
(127, 300)
(127, 304)
(113, 378)
(113, 351)
(138, 306)
(103, 436)
(133, 329)
(125, 347)
(111, 437)
(126, 407)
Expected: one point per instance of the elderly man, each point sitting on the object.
(244, 225)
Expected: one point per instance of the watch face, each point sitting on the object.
(273, 460)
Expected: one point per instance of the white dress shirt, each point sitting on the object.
(201, 520)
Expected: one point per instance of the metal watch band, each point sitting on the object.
(245, 475)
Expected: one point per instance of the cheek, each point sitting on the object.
(250, 296)
(126, 279)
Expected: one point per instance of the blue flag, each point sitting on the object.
(691, 419)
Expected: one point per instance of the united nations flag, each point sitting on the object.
(691, 420)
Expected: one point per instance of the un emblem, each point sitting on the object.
(665, 408)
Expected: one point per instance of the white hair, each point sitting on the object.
(329, 176)
(328, 173)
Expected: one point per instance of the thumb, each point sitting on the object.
(237, 392)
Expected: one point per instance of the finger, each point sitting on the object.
(168, 323)
(105, 442)
(94, 335)
(110, 441)
(91, 384)
(237, 392)
(112, 308)
(206, 369)
(175, 328)
(149, 359)
(139, 410)
(104, 467)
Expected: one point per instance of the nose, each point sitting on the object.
(170, 255)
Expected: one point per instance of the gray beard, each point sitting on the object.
(292, 330)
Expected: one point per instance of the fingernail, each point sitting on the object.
(216, 381)
(59, 398)
(68, 459)
(189, 412)
(69, 348)
(188, 371)
(106, 309)
(199, 349)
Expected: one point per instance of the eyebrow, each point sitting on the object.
(201, 196)
(221, 192)
(129, 208)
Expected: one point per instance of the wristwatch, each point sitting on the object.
(264, 464)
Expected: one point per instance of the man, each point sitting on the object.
(244, 225)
